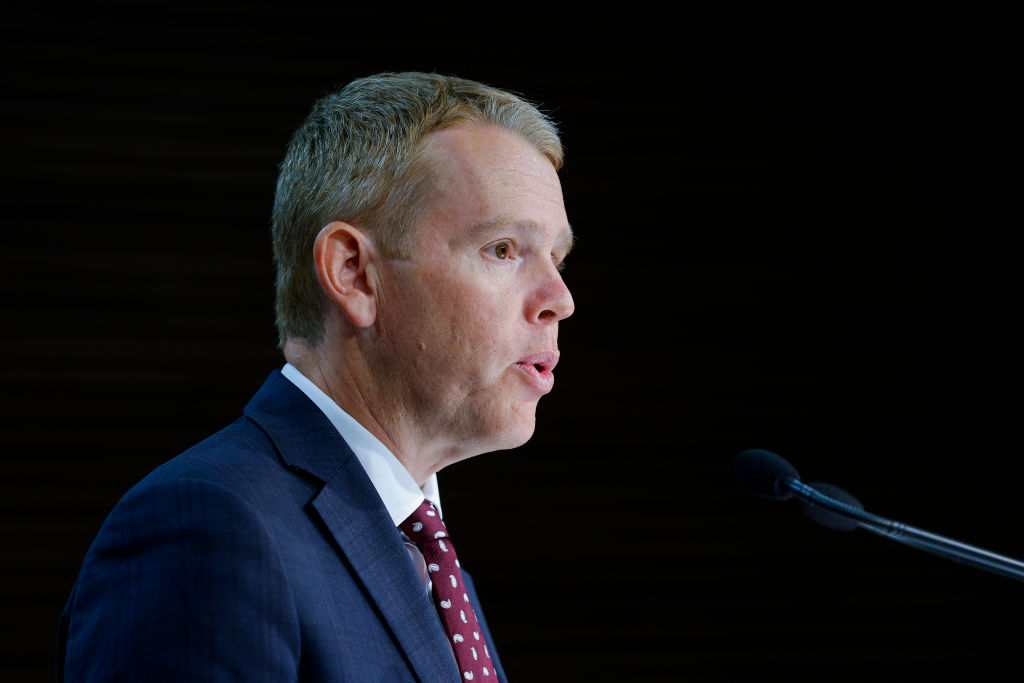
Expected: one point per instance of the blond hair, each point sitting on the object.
(358, 158)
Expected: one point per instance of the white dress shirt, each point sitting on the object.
(395, 486)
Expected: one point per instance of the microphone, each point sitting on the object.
(771, 476)
(765, 473)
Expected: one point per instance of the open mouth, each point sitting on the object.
(541, 362)
(537, 369)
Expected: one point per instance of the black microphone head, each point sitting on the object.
(765, 473)
(830, 518)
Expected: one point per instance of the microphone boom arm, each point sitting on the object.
(904, 533)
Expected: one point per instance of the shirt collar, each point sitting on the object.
(395, 486)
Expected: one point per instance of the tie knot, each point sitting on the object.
(424, 524)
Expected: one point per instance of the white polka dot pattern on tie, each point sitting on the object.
(425, 528)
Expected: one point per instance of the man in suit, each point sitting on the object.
(418, 232)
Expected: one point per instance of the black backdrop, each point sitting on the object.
(796, 232)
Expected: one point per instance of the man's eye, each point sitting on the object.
(501, 250)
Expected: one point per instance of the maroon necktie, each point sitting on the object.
(425, 528)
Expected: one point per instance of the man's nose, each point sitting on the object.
(553, 301)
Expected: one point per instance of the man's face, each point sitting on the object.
(469, 322)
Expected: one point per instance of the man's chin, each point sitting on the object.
(520, 439)
(513, 432)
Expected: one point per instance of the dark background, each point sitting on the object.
(796, 232)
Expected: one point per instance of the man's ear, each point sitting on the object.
(343, 255)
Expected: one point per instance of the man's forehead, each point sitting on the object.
(479, 148)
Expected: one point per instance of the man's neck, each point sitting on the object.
(355, 390)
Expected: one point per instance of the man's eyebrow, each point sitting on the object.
(566, 239)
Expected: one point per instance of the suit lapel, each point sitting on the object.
(357, 520)
(371, 543)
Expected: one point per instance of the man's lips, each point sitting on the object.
(537, 369)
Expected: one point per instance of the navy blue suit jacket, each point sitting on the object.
(261, 554)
